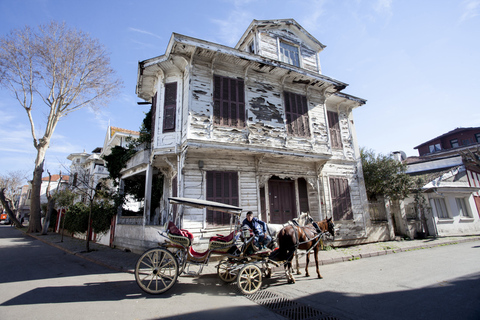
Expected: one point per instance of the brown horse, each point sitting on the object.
(305, 238)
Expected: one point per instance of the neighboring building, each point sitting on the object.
(450, 143)
(450, 167)
(258, 126)
(57, 182)
(89, 168)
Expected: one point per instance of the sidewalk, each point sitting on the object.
(123, 261)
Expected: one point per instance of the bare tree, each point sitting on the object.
(67, 69)
(10, 184)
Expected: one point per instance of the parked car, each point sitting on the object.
(4, 219)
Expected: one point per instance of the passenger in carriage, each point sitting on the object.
(259, 228)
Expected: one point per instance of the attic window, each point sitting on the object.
(289, 54)
(251, 47)
(434, 147)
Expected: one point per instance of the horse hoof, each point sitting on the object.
(320, 277)
(307, 275)
(291, 281)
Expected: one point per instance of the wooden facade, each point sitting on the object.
(257, 116)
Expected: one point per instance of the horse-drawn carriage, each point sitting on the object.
(157, 269)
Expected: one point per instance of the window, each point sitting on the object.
(342, 206)
(153, 114)
(334, 126)
(221, 187)
(296, 112)
(462, 207)
(289, 54)
(170, 107)
(454, 143)
(229, 102)
(251, 47)
(477, 137)
(441, 208)
(434, 147)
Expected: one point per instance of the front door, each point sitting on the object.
(282, 200)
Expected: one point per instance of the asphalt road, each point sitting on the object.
(38, 281)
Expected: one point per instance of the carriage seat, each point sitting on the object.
(173, 229)
(221, 238)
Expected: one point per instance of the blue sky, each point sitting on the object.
(415, 62)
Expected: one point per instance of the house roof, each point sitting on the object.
(181, 48)
(447, 134)
(56, 177)
(114, 130)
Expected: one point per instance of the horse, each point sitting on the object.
(274, 229)
(291, 238)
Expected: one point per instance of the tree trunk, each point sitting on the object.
(35, 222)
(10, 213)
(48, 215)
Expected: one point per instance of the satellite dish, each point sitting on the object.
(404, 155)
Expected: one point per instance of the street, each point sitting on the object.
(38, 281)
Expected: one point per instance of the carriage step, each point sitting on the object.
(289, 309)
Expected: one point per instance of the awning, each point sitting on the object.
(212, 205)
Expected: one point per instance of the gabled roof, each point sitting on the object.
(114, 130)
(290, 24)
(457, 130)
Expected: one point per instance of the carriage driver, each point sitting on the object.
(262, 238)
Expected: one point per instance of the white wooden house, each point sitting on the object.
(258, 126)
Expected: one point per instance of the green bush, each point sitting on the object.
(76, 218)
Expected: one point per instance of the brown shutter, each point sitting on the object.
(221, 187)
(229, 102)
(334, 126)
(296, 113)
(340, 192)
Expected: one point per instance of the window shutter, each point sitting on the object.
(229, 102)
(170, 107)
(340, 193)
(296, 113)
(334, 126)
(221, 187)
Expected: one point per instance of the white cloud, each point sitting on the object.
(383, 7)
(315, 11)
(234, 25)
(471, 10)
(144, 32)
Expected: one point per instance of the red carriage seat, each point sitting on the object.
(223, 238)
(172, 228)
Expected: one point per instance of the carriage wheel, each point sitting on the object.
(249, 279)
(156, 270)
(224, 269)
(180, 256)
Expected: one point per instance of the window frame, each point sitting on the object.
(477, 137)
(454, 143)
(169, 107)
(463, 207)
(440, 202)
(233, 104)
(296, 114)
(292, 49)
(434, 147)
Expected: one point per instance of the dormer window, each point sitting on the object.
(289, 54)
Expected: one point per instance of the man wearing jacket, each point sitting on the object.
(259, 228)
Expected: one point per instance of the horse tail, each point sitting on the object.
(287, 242)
